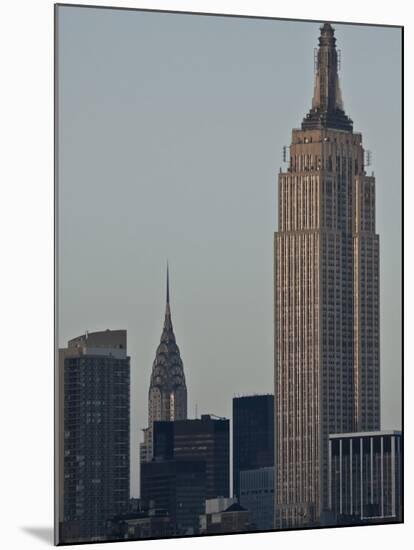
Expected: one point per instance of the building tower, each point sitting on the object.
(205, 439)
(94, 440)
(167, 396)
(253, 435)
(326, 297)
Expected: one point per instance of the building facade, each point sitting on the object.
(167, 395)
(94, 373)
(253, 435)
(178, 486)
(233, 519)
(146, 524)
(326, 293)
(205, 439)
(257, 496)
(365, 477)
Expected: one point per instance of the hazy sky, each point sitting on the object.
(171, 128)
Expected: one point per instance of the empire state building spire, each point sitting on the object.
(327, 107)
(326, 294)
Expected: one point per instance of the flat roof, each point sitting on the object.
(364, 434)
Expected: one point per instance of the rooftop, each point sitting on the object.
(365, 434)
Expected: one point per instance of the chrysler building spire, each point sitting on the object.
(168, 286)
(167, 396)
(167, 320)
(327, 107)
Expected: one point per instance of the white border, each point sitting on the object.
(26, 202)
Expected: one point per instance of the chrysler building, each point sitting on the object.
(167, 396)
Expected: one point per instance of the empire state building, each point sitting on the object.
(326, 294)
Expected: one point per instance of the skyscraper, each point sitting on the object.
(204, 439)
(253, 435)
(167, 396)
(326, 297)
(94, 400)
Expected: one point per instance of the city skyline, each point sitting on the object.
(199, 307)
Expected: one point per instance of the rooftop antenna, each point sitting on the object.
(196, 411)
(367, 158)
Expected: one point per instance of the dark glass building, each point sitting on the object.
(206, 439)
(177, 486)
(94, 416)
(257, 496)
(253, 435)
(365, 477)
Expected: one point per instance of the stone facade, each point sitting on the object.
(326, 296)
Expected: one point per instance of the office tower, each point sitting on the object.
(205, 439)
(163, 447)
(326, 297)
(167, 396)
(178, 486)
(365, 476)
(257, 496)
(253, 435)
(94, 373)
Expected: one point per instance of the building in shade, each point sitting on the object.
(205, 439)
(94, 418)
(253, 435)
(177, 486)
(365, 477)
(219, 504)
(167, 396)
(143, 524)
(257, 496)
(233, 519)
(163, 440)
(326, 293)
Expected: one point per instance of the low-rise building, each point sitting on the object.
(153, 523)
(233, 519)
(365, 477)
